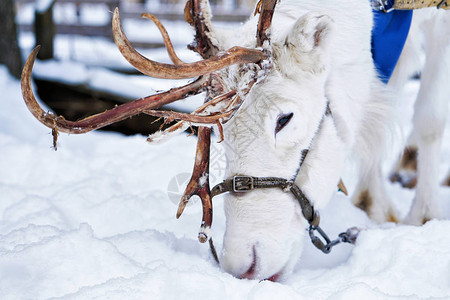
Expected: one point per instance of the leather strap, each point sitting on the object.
(247, 183)
(415, 4)
(239, 184)
(390, 5)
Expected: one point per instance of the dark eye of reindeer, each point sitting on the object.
(282, 121)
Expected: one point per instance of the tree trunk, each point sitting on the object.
(9, 46)
(44, 30)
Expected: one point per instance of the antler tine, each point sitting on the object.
(192, 118)
(199, 183)
(265, 20)
(198, 14)
(180, 126)
(116, 114)
(235, 55)
(167, 42)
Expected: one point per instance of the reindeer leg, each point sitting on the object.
(405, 170)
(409, 64)
(371, 196)
(430, 114)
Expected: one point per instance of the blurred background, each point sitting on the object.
(79, 70)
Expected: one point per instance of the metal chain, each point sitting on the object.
(348, 236)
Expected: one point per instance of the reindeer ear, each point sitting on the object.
(310, 32)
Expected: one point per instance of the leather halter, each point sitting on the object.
(243, 183)
(239, 184)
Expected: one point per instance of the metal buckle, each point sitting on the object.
(382, 5)
(242, 184)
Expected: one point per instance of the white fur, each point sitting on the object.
(320, 53)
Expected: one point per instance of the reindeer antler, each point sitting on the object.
(199, 182)
(167, 42)
(100, 120)
(267, 8)
(197, 13)
(234, 56)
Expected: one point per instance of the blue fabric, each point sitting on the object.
(388, 38)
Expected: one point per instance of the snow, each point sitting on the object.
(96, 219)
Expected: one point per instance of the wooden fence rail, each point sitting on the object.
(224, 10)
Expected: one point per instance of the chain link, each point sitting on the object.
(348, 236)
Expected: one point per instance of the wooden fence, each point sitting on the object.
(223, 10)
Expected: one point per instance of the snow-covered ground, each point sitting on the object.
(96, 219)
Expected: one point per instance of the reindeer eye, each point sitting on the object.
(282, 121)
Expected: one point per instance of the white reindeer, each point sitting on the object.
(311, 98)
(321, 55)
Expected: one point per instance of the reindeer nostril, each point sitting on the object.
(251, 271)
(274, 278)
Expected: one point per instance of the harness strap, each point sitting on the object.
(242, 184)
(389, 5)
(239, 184)
(412, 4)
(247, 183)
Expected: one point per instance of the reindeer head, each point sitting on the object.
(270, 108)
(284, 115)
